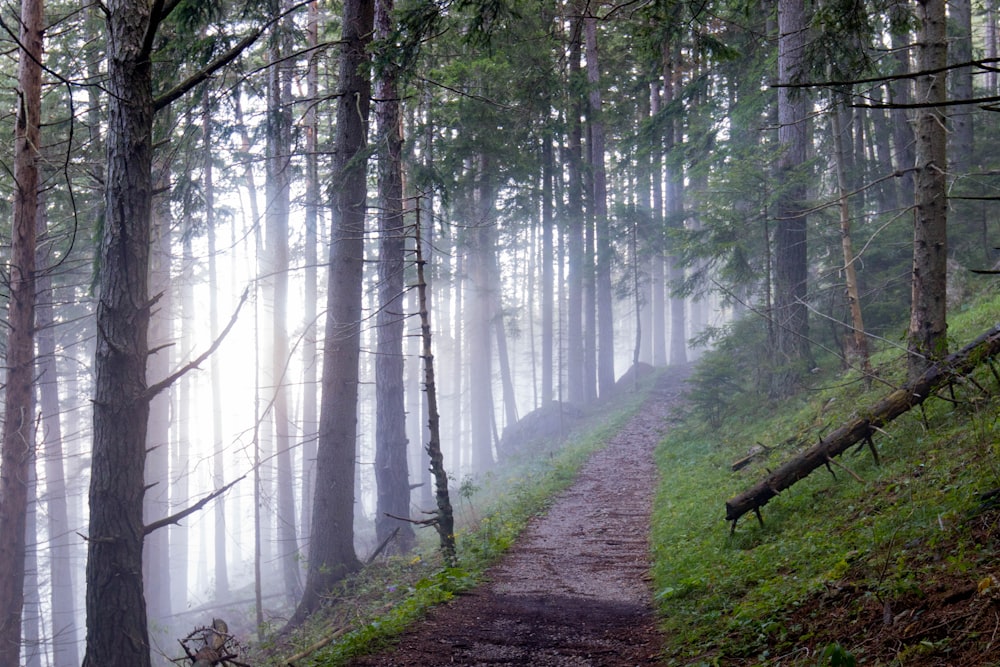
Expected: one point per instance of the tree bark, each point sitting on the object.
(156, 500)
(116, 610)
(674, 207)
(279, 168)
(182, 412)
(309, 342)
(331, 553)
(601, 220)
(392, 475)
(221, 569)
(503, 357)
(960, 119)
(990, 39)
(62, 599)
(928, 317)
(575, 365)
(858, 342)
(791, 326)
(862, 427)
(444, 520)
(657, 268)
(482, 249)
(548, 285)
(900, 92)
(18, 447)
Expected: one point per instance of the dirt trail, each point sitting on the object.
(574, 589)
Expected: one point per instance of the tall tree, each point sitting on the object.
(311, 221)
(857, 342)
(674, 199)
(18, 447)
(279, 176)
(221, 568)
(62, 599)
(116, 610)
(156, 499)
(791, 325)
(901, 94)
(601, 220)
(548, 265)
(960, 81)
(331, 552)
(391, 469)
(928, 310)
(481, 249)
(658, 297)
(576, 378)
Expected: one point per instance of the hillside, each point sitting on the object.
(881, 563)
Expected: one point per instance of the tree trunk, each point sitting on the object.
(62, 599)
(503, 356)
(575, 365)
(392, 474)
(858, 341)
(881, 133)
(309, 343)
(602, 222)
(156, 555)
(18, 448)
(791, 326)
(674, 208)
(116, 610)
(331, 554)
(182, 416)
(657, 274)
(900, 92)
(548, 285)
(459, 389)
(279, 167)
(220, 569)
(928, 324)
(34, 642)
(482, 249)
(444, 520)
(990, 38)
(960, 125)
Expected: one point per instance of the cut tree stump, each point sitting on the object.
(863, 426)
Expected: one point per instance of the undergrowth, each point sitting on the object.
(844, 555)
(374, 606)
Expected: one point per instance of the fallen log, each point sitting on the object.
(863, 426)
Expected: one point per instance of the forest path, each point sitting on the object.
(574, 589)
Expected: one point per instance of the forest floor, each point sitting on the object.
(574, 589)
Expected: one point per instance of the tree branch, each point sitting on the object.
(224, 59)
(928, 105)
(155, 18)
(175, 518)
(885, 78)
(156, 388)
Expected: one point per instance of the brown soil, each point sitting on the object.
(574, 590)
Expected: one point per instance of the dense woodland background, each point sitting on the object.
(597, 186)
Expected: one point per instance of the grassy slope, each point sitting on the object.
(895, 569)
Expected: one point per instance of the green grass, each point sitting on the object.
(732, 598)
(373, 607)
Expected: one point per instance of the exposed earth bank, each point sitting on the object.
(574, 589)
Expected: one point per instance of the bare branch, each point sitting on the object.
(156, 388)
(175, 518)
(224, 59)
